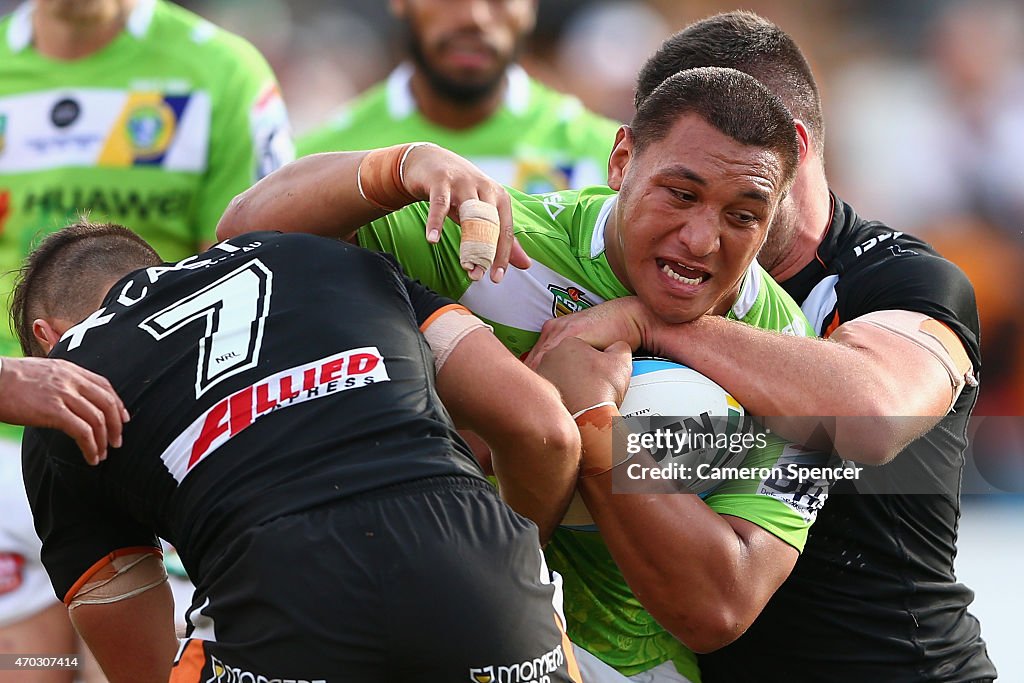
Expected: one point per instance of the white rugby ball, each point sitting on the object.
(689, 404)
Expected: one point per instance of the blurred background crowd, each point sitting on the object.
(925, 103)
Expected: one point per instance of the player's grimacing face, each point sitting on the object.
(693, 211)
(468, 42)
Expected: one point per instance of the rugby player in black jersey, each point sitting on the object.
(287, 437)
(874, 596)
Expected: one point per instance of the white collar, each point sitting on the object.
(597, 239)
(749, 290)
(19, 35)
(401, 102)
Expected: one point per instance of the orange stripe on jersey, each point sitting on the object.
(831, 326)
(189, 667)
(570, 657)
(441, 311)
(100, 564)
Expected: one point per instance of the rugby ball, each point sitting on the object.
(703, 419)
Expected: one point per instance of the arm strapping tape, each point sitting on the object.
(444, 332)
(124, 577)
(932, 336)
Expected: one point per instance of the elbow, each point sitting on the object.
(231, 222)
(871, 454)
(708, 629)
(556, 437)
(718, 629)
(878, 430)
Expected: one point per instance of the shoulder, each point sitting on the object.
(346, 125)
(891, 270)
(553, 212)
(566, 108)
(568, 114)
(890, 260)
(15, 32)
(183, 35)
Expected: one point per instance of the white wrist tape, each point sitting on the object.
(932, 336)
(446, 328)
(123, 577)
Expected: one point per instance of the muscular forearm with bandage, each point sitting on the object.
(335, 194)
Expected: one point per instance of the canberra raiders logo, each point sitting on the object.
(568, 300)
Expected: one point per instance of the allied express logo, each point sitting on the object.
(3, 132)
(329, 376)
(568, 300)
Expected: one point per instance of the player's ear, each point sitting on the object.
(45, 333)
(803, 137)
(618, 162)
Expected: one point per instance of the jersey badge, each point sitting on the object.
(144, 131)
(567, 300)
(150, 129)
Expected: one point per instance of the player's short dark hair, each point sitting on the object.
(61, 276)
(749, 43)
(732, 102)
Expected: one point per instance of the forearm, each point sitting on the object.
(701, 576)
(535, 447)
(772, 374)
(316, 194)
(538, 478)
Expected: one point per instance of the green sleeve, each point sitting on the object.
(402, 234)
(774, 500)
(249, 135)
(769, 514)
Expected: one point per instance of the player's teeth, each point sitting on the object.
(676, 276)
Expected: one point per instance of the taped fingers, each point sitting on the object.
(480, 233)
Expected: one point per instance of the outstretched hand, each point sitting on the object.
(45, 392)
(447, 181)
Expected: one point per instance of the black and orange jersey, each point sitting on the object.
(874, 596)
(269, 375)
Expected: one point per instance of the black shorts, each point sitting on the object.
(427, 582)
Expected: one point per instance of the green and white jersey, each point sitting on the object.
(563, 232)
(158, 131)
(539, 140)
